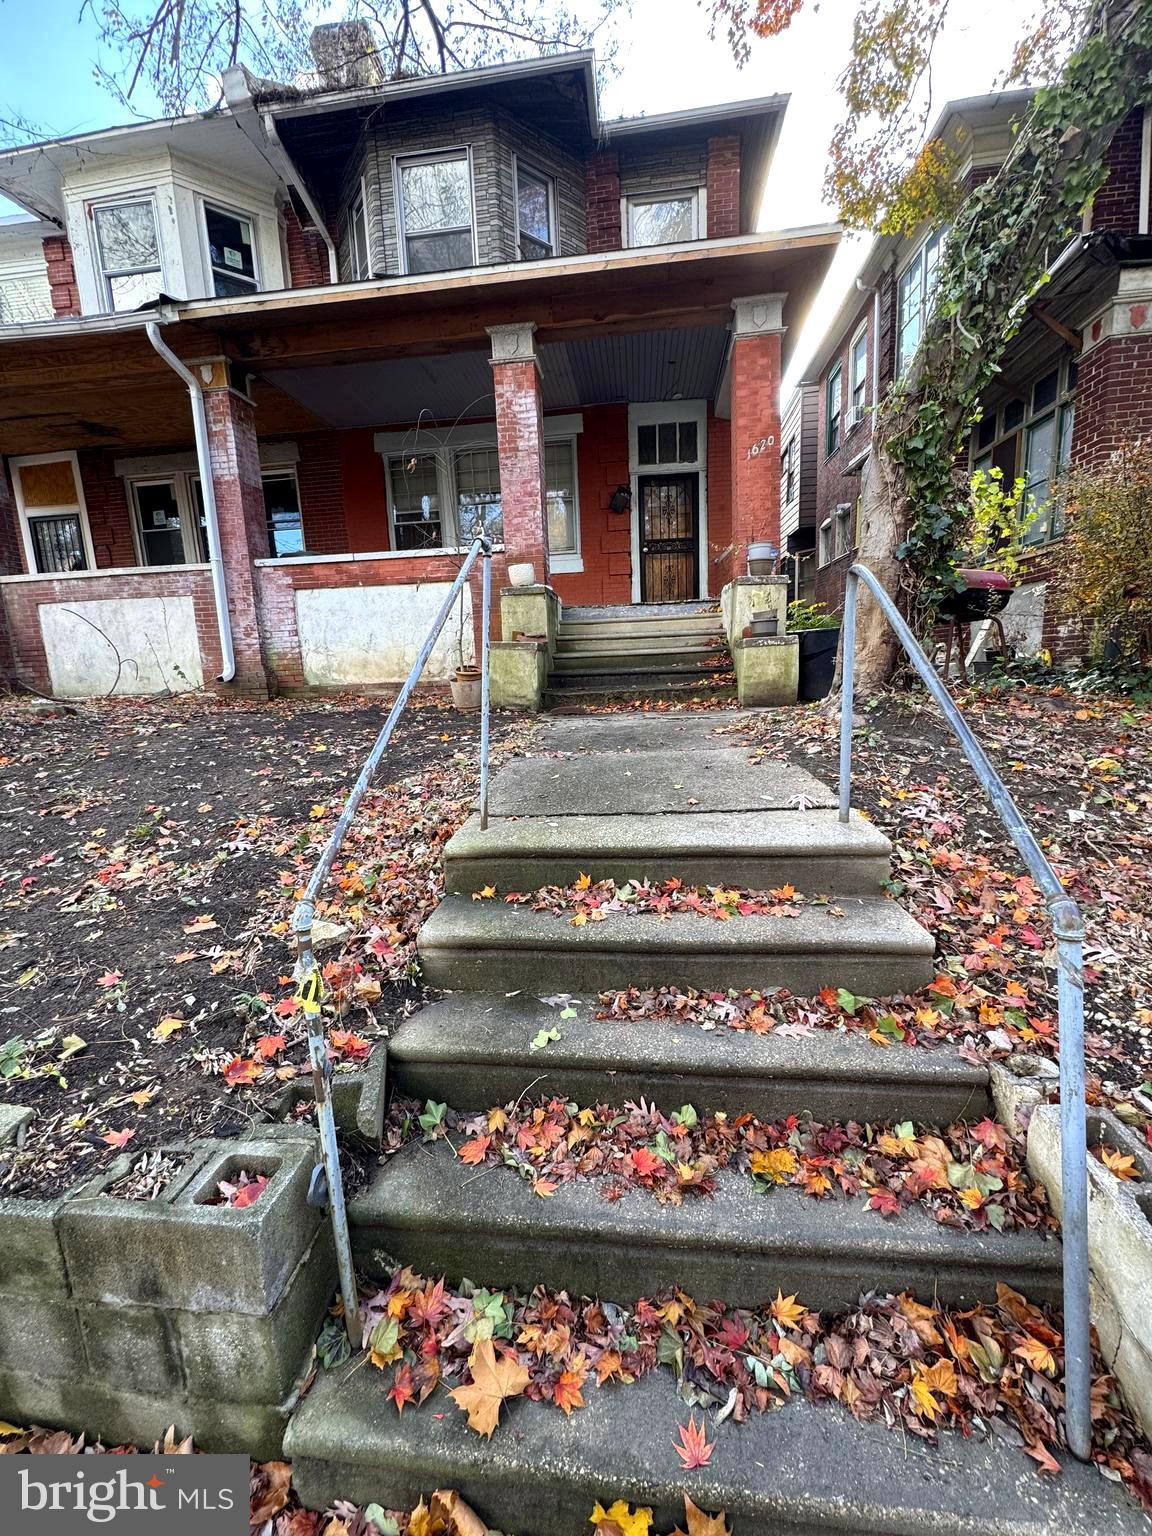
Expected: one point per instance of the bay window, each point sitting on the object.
(414, 495)
(478, 506)
(535, 214)
(915, 294)
(128, 253)
(231, 253)
(434, 199)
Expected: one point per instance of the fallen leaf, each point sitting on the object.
(167, 1028)
(628, 1521)
(694, 1449)
(700, 1524)
(787, 1310)
(272, 1483)
(493, 1382)
(119, 1138)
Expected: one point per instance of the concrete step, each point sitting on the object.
(812, 850)
(632, 679)
(683, 695)
(591, 645)
(874, 950)
(427, 1209)
(643, 660)
(803, 1470)
(603, 630)
(473, 1052)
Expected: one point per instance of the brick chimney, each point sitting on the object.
(346, 55)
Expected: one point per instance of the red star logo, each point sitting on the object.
(155, 1482)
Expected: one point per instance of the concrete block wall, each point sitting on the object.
(127, 1316)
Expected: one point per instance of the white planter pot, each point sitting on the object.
(522, 575)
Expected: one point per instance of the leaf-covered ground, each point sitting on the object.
(149, 855)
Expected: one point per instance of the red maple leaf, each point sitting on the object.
(566, 1393)
(428, 1306)
(884, 1201)
(646, 1163)
(119, 1139)
(989, 1133)
(474, 1151)
(241, 1069)
(270, 1045)
(694, 1449)
(249, 1193)
(403, 1388)
(351, 1046)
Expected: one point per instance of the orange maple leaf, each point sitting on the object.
(241, 1069)
(475, 1151)
(119, 1139)
(270, 1045)
(566, 1394)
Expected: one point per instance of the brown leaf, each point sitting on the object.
(460, 1518)
(700, 1524)
(271, 1485)
(493, 1381)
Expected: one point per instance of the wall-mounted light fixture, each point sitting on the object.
(621, 499)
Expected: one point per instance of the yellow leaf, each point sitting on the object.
(1037, 1355)
(787, 1310)
(7, 1430)
(924, 1404)
(1118, 1163)
(493, 1382)
(497, 1120)
(972, 1198)
(583, 881)
(778, 1165)
(580, 919)
(629, 1522)
(485, 893)
(167, 1028)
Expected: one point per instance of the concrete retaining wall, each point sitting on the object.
(126, 1316)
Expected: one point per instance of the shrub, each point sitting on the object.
(1105, 575)
(810, 616)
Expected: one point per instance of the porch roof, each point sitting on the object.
(97, 381)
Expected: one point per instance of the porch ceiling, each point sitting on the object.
(642, 365)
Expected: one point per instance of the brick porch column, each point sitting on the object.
(757, 328)
(520, 443)
(240, 513)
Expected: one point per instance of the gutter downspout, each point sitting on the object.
(208, 491)
(292, 176)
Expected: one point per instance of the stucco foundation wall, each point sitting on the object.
(355, 635)
(89, 634)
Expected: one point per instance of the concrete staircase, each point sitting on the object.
(629, 797)
(659, 650)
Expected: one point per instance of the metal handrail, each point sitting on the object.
(309, 986)
(1068, 926)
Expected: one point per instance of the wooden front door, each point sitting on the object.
(669, 529)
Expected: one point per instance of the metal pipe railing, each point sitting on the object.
(309, 985)
(1068, 926)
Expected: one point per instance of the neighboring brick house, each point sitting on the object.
(798, 469)
(1074, 383)
(413, 309)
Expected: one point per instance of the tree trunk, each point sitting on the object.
(881, 529)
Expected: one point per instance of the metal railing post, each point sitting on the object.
(847, 691)
(309, 986)
(1068, 927)
(485, 686)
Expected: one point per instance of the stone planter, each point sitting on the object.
(521, 574)
(466, 690)
(122, 1317)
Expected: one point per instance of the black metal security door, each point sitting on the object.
(669, 548)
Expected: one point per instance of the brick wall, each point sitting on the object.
(105, 495)
(723, 187)
(22, 599)
(755, 417)
(320, 477)
(605, 536)
(1113, 397)
(520, 440)
(307, 253)
(1116, 207)
(61, 276)
(243, 524)
(721, 561)
(11, 545)
(603, 181)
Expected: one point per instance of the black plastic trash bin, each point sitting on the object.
(818, 649)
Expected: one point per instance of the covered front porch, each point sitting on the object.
(615, 430)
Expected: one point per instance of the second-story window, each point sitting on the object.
(434, 193)
(128, 249)
(231, 253)
(535, 230)
(858, 379)
(788, 471)
(358, 240)
(833, 410)
(917, 288)
(664, 218)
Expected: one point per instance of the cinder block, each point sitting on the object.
(41, 1337)
(767, 671)
(518, 669)
(257, 1359)
(31, 1263)
(133, 1348)
(192, 1255)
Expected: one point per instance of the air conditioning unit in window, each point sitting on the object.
(854, 417)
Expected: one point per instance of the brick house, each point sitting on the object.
(1075, 381)
(406, 310)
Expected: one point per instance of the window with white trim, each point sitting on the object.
(916, 291)
(833, 409)
(282, 508)
(858, 379)
(562, 497)
(358, 240)
(414, 497)
(50, 502)
(535, 213)
(165, 521)
(231, 252)
(479, 508)
(1031, 437)
(667, 442)
(434, 198)
(128, 252)
(788, 472)
(664, 218)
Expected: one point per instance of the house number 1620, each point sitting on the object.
(760, 446)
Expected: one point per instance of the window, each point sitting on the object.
(535, 218)
(858, 379)
(667, 442)
(788, 471)
(833, 407)
(358, 241)
(50, 501)
(128, 251)
(1035, 442)
(282, 506)
(435, 201)
(664, 218)
(478, 505)
(560, 489)
(159, 523)
(231, 253)
(414, 486)
(915, 291)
